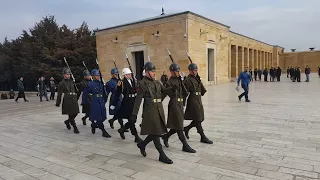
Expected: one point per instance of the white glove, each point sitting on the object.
(112, 107)
(237, 88)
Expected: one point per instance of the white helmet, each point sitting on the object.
(144, 73)
(126, 71)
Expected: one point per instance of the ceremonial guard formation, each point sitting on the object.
(70, 104)
(125, 100)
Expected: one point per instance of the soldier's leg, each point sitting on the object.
(67, 123)
(124, 129)
(84, 122)
(166, 137)
(142, 145)
(134, 132)
(104, 132)
(24, 97)
(187, 128)
(111, 121)
(162, 156)
(73, 123)
(93, 127)
(204, 138)
(185, 147)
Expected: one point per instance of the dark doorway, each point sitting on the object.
(139, 62)
(210, 64)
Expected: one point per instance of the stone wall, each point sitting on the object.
(300, 59)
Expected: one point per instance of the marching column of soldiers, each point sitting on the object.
(126, 98)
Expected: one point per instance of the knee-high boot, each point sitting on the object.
(187, 128)
(75, 128)
(204, 138)
(185, 147)
(142, 145)
(162, 156)
(166, 137)
(104, 132)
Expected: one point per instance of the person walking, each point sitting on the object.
(85, 99)
(52, 86)
(42, 89)
(244, 77)
(21, 90)
(307, 72)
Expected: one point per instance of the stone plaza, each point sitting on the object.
(276, 136)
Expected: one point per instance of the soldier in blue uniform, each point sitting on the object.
(127, 89)
(98, 112)
(115, 102)
(85, 101)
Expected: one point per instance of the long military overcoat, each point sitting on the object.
(153, 117)
(175, 107)
(194, 109)
(98, 110)
(70, 104)
(115, 102)
(129, 95)
(85, 99)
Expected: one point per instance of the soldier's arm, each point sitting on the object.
(140, 95)
(60, 91)
(167, 91)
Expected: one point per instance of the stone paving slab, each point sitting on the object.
(276, 136)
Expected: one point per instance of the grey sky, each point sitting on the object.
(287, 23)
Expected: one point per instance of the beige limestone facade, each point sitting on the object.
(300, 59)
(219, 53)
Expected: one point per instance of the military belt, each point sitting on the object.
(156, 100)
(179, 99)
(98, 95)
(72, 93)
(197, 93)
(132, 95)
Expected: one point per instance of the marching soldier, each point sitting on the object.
(153, 121)
(70, 105)
(194, 110)
(98, 112)
(115, 103)
(85, 101)
(175, 109)
(126, 88)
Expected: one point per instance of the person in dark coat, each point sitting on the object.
(21, 90)
(98, 111)
(265, 74)
(52, 85)
(259, 74)
(319, 71)
(292, 70)
(278, 73)
(70, 104)
(127, 87)
(153, 120)
(194, 110)
(307, 71)
(255, 74)
(298, 74)
(288, 72)
(11, 94)
(251, 75)
(115, 102)
(175, 109)
(85, 99)
(42, 89)
(271, 72)
(164, 78)
(274, 74)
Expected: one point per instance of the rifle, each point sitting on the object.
(102, 81)
(86, 68)
(149, 58)
(134, 81)
(115, 65)
(183, 86)
(73, 79)
(203, 89)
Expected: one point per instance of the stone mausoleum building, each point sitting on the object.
(300, 59)
(219, 53)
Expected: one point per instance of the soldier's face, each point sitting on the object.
(151, 74)
(193, 72)
(87, 77)
(67, 76)
(114, 75)
(128, 76)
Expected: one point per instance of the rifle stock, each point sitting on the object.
(73, 79)
(132, 75)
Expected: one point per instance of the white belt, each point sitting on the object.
(72, 93)
(179, 99)
(197, 93)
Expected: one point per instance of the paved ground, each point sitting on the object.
(276, 136)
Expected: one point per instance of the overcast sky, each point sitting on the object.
(287, 23)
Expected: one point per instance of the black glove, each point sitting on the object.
(133, 118)
(58, 105)
(203, 92)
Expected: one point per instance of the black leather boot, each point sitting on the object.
(104, 132)
(137, 139)
(121, 132)
(162, 157)
(93, 128)
(67, 123)
(204, 139)
(142, 148)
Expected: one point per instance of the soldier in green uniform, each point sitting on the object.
(153, 119)
(70, 104)
(85, 103)
(194, 110)
(175, 109)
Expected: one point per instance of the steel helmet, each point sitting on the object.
(114, 71)
(126, 71)
(193, 66)
(66, 71)
(144, 73)
(149, 66)
(174, 67)
(86, 73)
(95, 72)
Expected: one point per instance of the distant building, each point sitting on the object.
(301, 59)
(220, 53)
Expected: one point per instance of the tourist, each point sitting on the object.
(319, 71)
(259, 74)
(164, 78)
(52, 86)
(11, 94)
(278, 73)
(250, 71)
(265, 74)
(244, 77)
(271, 72)
(307, 72)
(255, 74)
(21, 90)
(42, 89)
(288, 72)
